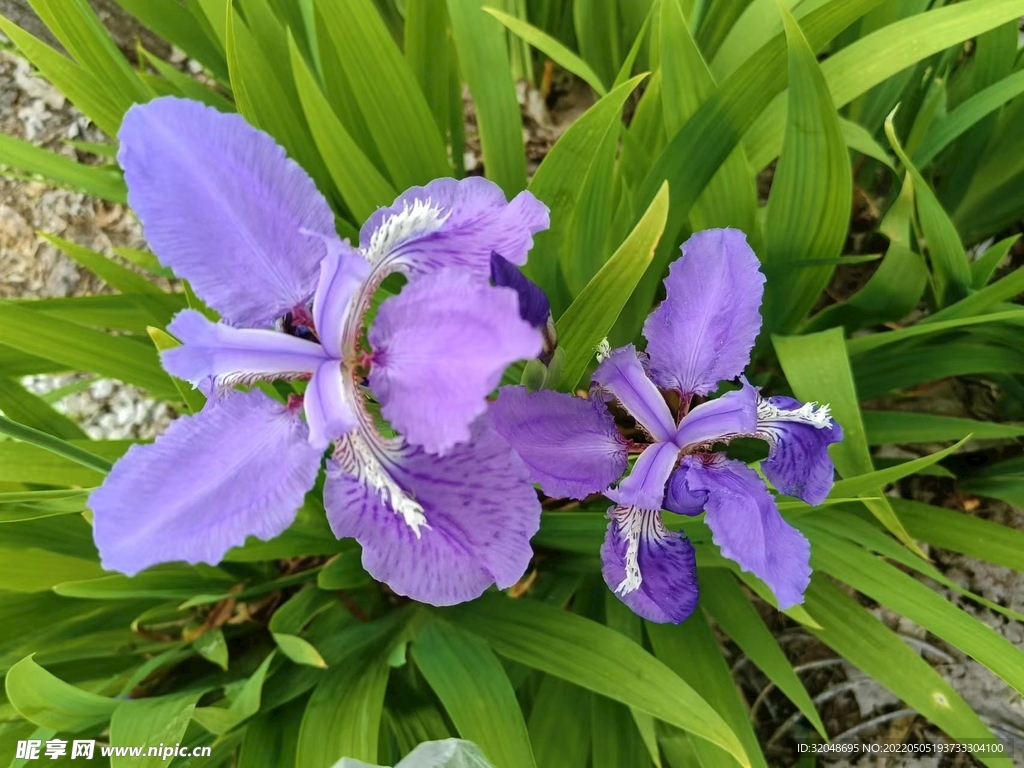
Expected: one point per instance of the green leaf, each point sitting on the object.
(964, 533)
(37, 570)
(986, 264)
(859, 139)
(159, 720)
(591, 316)
(361, 186)
(475, 691)
(186, 85)
(594, 657)
(950, 269)
(212, 646)
(853, 486)
(93, 179)
(559, 734)
(598, 25)
(556, 183)
(809, 204)
(483, 59)
(614, 740)
(49, 702)
(343, 715)
(83, 349)
(723, 599)
(982, 300)
(32, 411)
(884, 427)
(863, 344)
(877, 651)
(344, 572)
(394, 108)
(551, 48)
(178, 25)
(689, 649)
(878, 56)
(428, 51)
(53, 444)
(22, 462)
(730, 198)
(165, 581)
(946, 129)
(817, 367)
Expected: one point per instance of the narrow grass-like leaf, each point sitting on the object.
(864, 344)
(23, 462)
(177, 24)
(983, 299)
(483, 59)
(556, 183)
(475, 691)
(427, 50)
(594, 657)
(690, 651)
(30, 410)
(94, 179)
(360, 184)
(551, 48)
(724, 600)
(885, 427)
(861, 484)
(985, 265)
(559, 734)
(877, 651)
(950, 269)
(593, 313)
(53, 444)
(809, 204)
(902, 593)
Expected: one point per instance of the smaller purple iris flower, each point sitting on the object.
(444, 509)
(701, 335)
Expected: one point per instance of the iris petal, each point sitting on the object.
(651, 569)
(622, 375)
(241, 467)
(440, 530)
(222, 205)
(799, 435)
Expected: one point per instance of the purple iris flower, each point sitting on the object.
(700, 335)
(444, 509)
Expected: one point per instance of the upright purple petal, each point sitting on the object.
(440, 530)
(330, 403)
(649, 568)
(623, 376)
(222, 206)
(747, 527)
(644, 487)
(731, 415)
(450, 223)
(342, 273)
(233, 355)
(570, 445)
(439, 348)
(534, 306)
(241, 467)
(704, 330)
(799, 435)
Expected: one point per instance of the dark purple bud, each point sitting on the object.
(533, 303)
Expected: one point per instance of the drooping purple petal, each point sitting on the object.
(679, 498)
(440, 530)
(623, 376)
(534, 307)
(222, 206)
(450, 223)
(330, 405)
(342, 273)
(644, 487)
(239, 468)
(747, 527)
(649, 568)
(235, 354)
(704, 330)
(439, 348)
(731, 415)
(799, 435)
(570, 445)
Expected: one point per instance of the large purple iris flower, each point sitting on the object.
(444, 509)
(700, 335)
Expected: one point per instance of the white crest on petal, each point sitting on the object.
(633, 525)
(420, 218)
(812, 414)
(356, 456)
